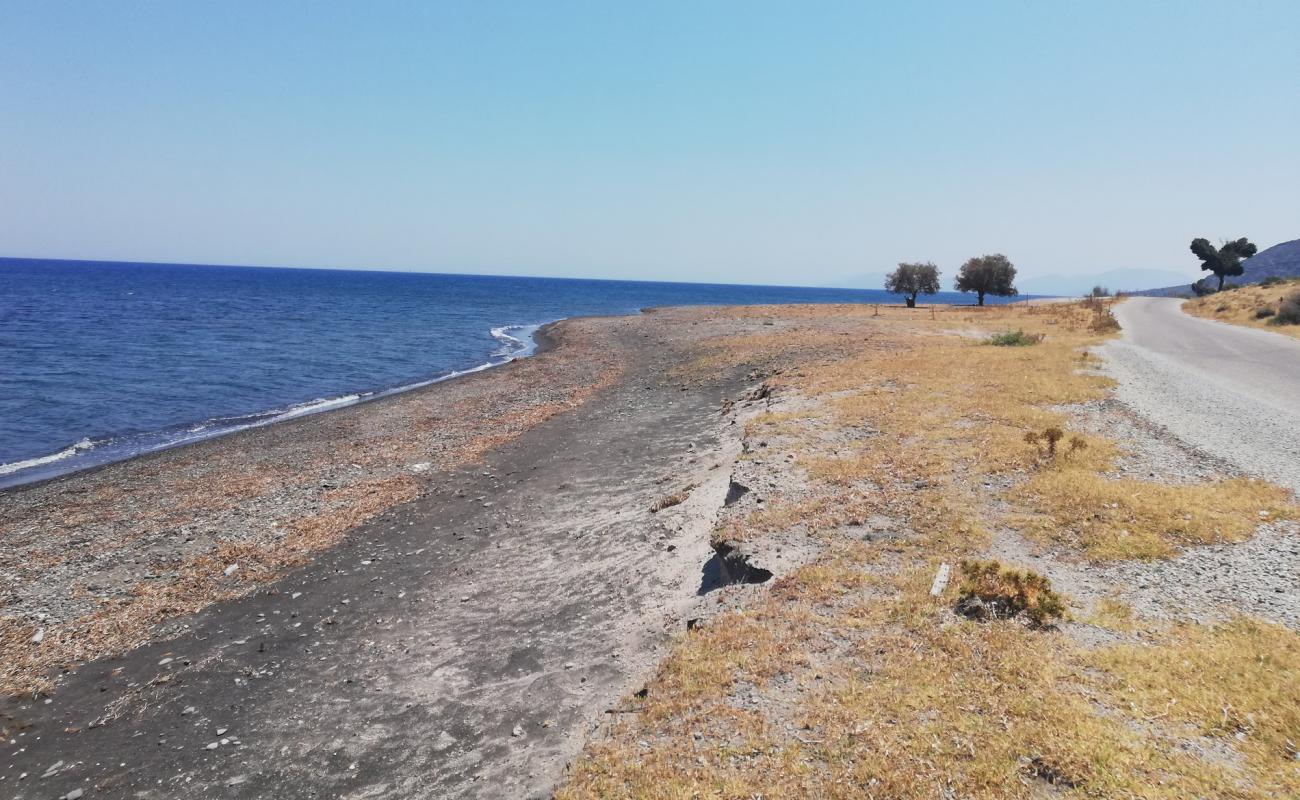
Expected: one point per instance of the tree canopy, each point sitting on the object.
(1223, 261)
(911, 279)
(993, 274)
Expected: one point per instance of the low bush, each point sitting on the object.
(1014, 339)
(1264, 312)
(1288, 313)
(991, 591)
(1103, 321)
(1045, 442)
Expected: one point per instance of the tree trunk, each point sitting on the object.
(911, 301)
(981, 296)
(1220, 277)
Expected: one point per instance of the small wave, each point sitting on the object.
(314, 406)
(516, 340)
(68, 452)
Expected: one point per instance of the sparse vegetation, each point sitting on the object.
(1257, 306)
(1288, 312)
(1045, 443)
(1103, 321)
(669, 500)
(1016, 338)
(847, 679)
(991, 590)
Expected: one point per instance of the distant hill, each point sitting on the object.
(1279, 261)
(1117, 280)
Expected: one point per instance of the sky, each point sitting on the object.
(749, 142)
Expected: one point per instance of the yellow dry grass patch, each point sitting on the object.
(1238, 306)
(1125, 518)
(910, 706)
(850, 681)
(1236, 682)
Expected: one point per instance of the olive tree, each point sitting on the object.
(983, 275)
(1224, 261)
(910, 280)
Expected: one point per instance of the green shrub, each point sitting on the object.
(1014, 339)
(1264, 312)
(990, 590)
(1272, 280)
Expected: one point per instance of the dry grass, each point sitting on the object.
(847, 680)
(884, 699)
(1235, 683)
(1239, 306)
(669, 500)
(1111, 518)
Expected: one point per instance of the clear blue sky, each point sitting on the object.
(749, 141)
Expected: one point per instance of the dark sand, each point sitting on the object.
(450, 630)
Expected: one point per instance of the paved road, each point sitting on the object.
(1231, 391)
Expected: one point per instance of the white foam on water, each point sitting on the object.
(312, 407)
(68, 452)
(516, 342)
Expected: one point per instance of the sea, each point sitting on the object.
(102, 361)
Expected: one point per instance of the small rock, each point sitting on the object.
(518, 731)
(188, 710)
(39, 636)
(221, 731)
(73, 795)
(212, 745)
(164, 662)
(230, 570)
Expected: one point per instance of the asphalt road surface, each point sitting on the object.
(1231, 391)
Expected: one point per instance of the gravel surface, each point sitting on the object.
(1230, 391)
(1258, 576)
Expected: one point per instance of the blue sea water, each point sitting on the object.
(100, 361)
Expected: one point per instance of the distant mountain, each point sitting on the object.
(867, 280)
(1116, 280)
(1279, 261)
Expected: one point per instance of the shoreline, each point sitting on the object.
(46, 467)
(261, 419)
(564, 490)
